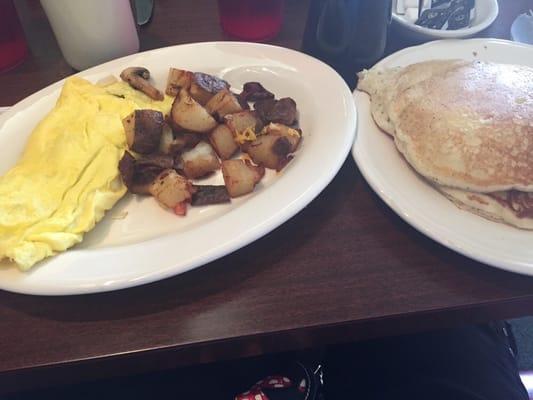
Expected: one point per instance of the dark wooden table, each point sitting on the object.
(345, 268)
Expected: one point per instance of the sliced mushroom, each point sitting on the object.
(138, 77)
(188, 114)
(178, 79)
(143, 130)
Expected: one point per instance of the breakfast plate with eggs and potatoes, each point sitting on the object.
(150, 165)
(445, 138)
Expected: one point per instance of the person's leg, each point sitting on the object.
(468, 363)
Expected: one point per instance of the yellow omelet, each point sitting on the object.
(68, 174)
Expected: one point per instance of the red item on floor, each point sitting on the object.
(255, 20)
(270, 382)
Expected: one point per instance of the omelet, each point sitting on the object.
(68, 177)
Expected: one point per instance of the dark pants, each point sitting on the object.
(468, 363)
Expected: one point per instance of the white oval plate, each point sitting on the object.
(412, 198)
(150, 243)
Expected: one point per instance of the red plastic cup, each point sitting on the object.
(13, 48)
(255, 20)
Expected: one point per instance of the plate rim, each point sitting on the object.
(450, 243)
(263, 226)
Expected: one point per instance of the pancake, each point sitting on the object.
(470, 127)
(376, 83)
(511, 207)
(467, 127)
(383, 86)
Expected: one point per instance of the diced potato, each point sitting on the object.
(273, 147)
(199, 94)
(222, 140)
(241, 177)
(172, 143)
(293, 135)
(244, 125)
(205, 86)
(199, 161)
(143, 130)
(240, 121)
(171, 189)
(261, 151)
(188, 114)
(223, 103)
(178, 79)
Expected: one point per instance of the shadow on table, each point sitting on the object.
(486, 277)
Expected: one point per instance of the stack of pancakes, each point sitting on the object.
(467, 127)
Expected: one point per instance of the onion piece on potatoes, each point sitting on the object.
(189, 115)
(244, 125)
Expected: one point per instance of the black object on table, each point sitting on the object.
(349, 35)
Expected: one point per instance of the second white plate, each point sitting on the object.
(412, 198)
